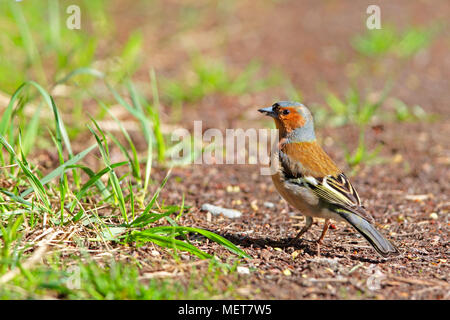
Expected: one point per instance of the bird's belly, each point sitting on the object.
(294, 198)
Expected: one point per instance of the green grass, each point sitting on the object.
(85, 278)
(362, 154)
(404, 113)
(210, 76)
(363, 111)
(36, 33)
(72, 193)
(358, 110)
(354, 108)
(390, 41)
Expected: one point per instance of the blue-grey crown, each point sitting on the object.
(284, 104)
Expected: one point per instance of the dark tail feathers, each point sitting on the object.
(383, 246)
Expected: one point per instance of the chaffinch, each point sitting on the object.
(310, 181)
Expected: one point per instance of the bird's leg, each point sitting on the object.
(305, 228)
(324, 231)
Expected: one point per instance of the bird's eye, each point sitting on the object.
(286, 112)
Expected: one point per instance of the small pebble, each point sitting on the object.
(233, 189)
(254, 205)
(236, 202)
(434, 216)
(243, 270)
(268, 204)
(155, 253)
(215, 210)
(418, 197)
(397, 158)
(287, 272)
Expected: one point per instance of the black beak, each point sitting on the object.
(268, 112)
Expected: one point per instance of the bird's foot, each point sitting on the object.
(319, 243)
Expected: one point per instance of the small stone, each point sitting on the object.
(418, 197)
(233, 189)
(215, 210)
(329, 270)
(397, 158)
(269, 205)
(254, 205)
(155, 253)
(287, 272)
(295, 254)
(434, 216)
(243, 270)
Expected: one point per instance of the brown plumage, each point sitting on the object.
(314, 160)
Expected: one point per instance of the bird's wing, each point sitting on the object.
(338, 191)
(333, 189)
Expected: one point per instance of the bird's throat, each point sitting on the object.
(301, 134)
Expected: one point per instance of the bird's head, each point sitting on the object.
(292, 119)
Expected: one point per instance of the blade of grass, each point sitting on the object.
(208, 234)
(150, 217)
(32, 179)
(58, 171)
(27, 40)
(134, 161)
(161, 147)
(32, 131)
(16, 198)
(6, 118)
(87, 71)
(169, 243)
(117, 191)
(95, 179)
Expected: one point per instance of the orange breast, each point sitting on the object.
(312, 158)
